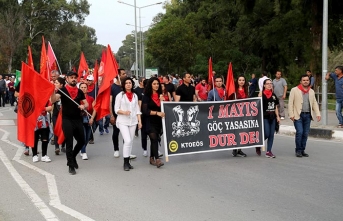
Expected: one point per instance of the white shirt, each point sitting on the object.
(123, 103)
(260, 82)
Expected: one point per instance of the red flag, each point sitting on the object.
(83, 67)
(29, 58)
(110, 72)
(73, 69)
(210, 82)
(102, 63)
(51, 58)
(230, 84)
(95, 73)
(58, 131)
(35, 91)
(44, 71)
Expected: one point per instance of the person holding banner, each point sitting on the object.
(270, 114)
(129, 115)
(241, 93)
(72, 125)
(152, 117)
(59, 83)
(218, 93)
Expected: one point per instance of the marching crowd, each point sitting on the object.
(136, 105)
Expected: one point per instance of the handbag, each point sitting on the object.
(277, 127)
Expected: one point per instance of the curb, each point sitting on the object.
(314, 132)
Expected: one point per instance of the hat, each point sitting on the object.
(71, 73)
(90, 78)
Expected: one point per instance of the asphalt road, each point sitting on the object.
(210, 186)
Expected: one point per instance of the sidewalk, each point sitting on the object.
(330, 131)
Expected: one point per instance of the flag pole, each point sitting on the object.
(59, 68)
(73, 101)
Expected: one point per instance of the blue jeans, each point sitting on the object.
(87, 130)
(302, 128)
(103, 125)
(269, 131)
(339, 105)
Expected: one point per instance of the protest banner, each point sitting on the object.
(198, 127)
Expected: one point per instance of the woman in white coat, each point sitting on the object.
(129, 115)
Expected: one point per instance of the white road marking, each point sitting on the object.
(7, 123)
(51, 182)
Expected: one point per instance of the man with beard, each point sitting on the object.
(201, 90)
(73, 102)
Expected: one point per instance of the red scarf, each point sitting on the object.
(90, 88)
(241, 94)
(72, 91)
(268, 93)
(129, 95)
(220, 92)
(156, 99)
(303, 89)
(166, 97)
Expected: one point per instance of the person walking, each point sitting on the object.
(72, 126)
(261, 81)
(129, 116)
(218, 92)
(152, 118)
(186, 92)
(270, 115)
(280, 90)
(3, 88)
(252, 85)
(301, 106)
(201, 90)
(11, 91)
(338, 78)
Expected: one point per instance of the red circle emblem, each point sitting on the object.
(26, 105)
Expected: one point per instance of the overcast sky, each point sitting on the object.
(109, 18)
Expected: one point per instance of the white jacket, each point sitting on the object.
(123, 103)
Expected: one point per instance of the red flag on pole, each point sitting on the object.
(58, 131)
(29, 58)
(230, 84)
(102, 105)
(210, 75)
(44, 70)
(83, 67)
(95, 73)
(51, 58)
(35, 91)
(102, 63)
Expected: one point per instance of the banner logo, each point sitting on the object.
(173, 146)
(185, 127)
(26, 105)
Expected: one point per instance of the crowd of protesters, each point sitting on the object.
(135, 104)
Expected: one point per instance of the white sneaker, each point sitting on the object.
(81, 154)
(84, 156)
(145, 153)
(132, 157)
(282, 118)
(116, 154)
(35, 158)
(46, 159)
(160, 154)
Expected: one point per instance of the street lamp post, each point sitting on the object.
(135, 6)
(325, 63)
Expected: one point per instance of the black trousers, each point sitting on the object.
(73, 129)
(44, 136)
(2, 98)
(115, 138)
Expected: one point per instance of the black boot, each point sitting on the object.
(126, 164)
(72, 170)
(131, 167)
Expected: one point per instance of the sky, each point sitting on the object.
(109, 19)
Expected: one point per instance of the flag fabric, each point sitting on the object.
(83, 67)
(95, 72)
(44, 70)
(102, 63)
(73, 69)
(51, 58)
(17, 78)
(210, 82)
(29, 58)
(58, 131)
(110, 71)
(230, 84)
(35, 91)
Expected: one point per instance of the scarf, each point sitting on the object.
(129, 95)
(268, 93)
(156, 99)
(220, 93)
(166, 97)
(241, 94)
(303, 89)
(90, 88)
(72, 91)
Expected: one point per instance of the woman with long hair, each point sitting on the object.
(129, 115)
(270, 114)
(165, 93)
(152, 117)
(241, 93)
(59, 83)
(87, 121)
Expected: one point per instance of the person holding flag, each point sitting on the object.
(218, 92)
(72, 125)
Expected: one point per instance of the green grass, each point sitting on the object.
(331, 104)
